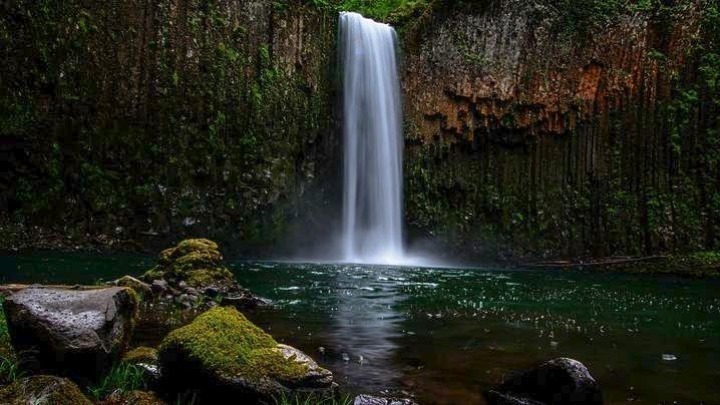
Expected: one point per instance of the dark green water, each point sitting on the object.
(447, 334)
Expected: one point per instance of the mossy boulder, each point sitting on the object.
(51, 328)
(193, 274)
(43, 389)
(141, 355)
(197, 262)
(222, 353)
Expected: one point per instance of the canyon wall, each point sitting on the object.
(547, 129)
(143, 120)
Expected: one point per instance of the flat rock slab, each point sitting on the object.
(52, 328)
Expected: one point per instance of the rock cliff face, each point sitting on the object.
(535, 127)
(160, 118)
(544, 127)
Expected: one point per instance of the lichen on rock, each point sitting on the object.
(221, 348)
(43, 389)
(141, 355)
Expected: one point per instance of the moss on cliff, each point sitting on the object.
(186, 117)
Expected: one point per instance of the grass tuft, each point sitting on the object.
(123, 377)
(284, 399)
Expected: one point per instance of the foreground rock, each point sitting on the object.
(372, 400)
(146, 359)
(43, 389)
(132, 398)
(560, 381)
(193, 273)
(70, 332)
(222, 355)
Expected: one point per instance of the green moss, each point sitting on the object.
(204, 277)
(141, 355)
(224, 342)
(195, 261)
(43, 389)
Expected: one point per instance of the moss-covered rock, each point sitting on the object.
(43, 389)
(197, 262)
(141, 355)
(193, 274)
(223, 350)
(142, 289)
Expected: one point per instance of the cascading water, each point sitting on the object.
(372, 203)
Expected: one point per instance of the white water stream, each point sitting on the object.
(372, 201)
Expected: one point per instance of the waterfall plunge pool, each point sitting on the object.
(445, 335)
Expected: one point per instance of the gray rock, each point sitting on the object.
(316, 376)
(51, 328)
(143, 289)
(372, 400)
(243, 301)
(159, 287)
(561, 381)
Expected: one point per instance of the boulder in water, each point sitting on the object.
(43, 389)
(561, 381)
(222, 354)
(192, 267)
(73, 332)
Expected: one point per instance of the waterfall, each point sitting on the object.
(372, 133)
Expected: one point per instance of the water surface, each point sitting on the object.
(447, 334)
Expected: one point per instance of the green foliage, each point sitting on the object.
(9, 370)
(108, 135)
(123, 377)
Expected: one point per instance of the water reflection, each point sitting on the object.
(366, 325)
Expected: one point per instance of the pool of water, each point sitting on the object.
(445, 335)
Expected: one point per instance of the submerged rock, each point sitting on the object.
(71, 332)
(193, 274)
(558, 382)
(223, 354)
(43, 389)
